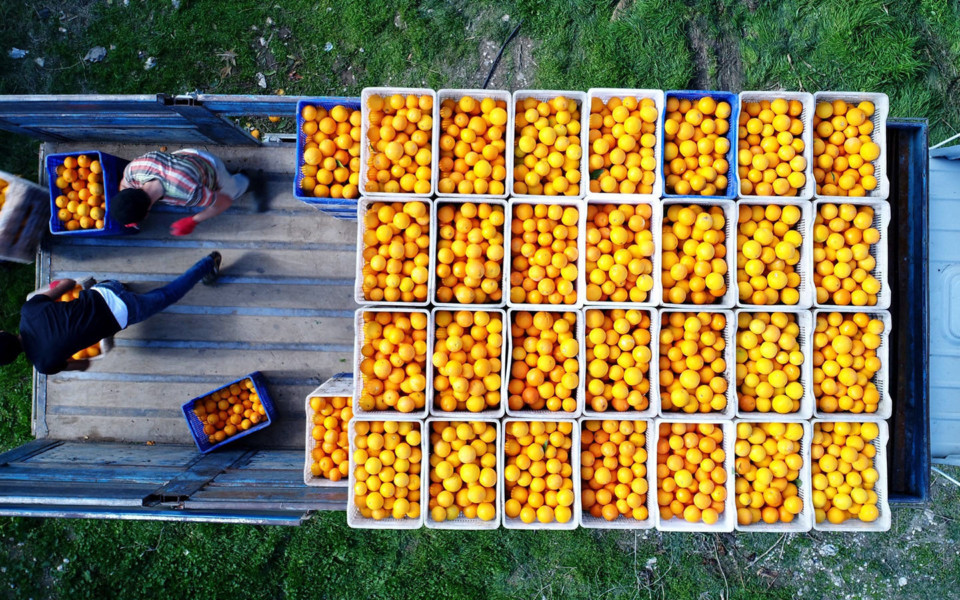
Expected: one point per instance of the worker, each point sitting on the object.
(189, 178)
(51, 332)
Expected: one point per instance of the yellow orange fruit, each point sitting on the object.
(692, 364)
(844, 473)
(695, 146)
(330, 417)
(768, 251)
(694, 269)
(623, 139)
(845, 362)
(399, 136)
(394, 360)
(767, 466)
(385, 484)
(544, 249)
(770, 148)
(545, 365)
(547, 147)
(620, 251)
(467, 360)
(769, 360)
(613, 469)
(472, 146)
(844, 149)
(618, 358)
(396, 251)
(845, 240)
(463, 470)
(470, 253)
(538, 472)
(691, 472)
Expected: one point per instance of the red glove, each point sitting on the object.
(54, 283)
(184, 226)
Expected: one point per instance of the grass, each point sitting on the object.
(911, 51)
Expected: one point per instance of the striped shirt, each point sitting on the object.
(187, 178)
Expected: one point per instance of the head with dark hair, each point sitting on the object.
(10, 348)
(129, 206)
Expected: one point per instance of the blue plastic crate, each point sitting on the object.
(326, 102)
(196, 427)
(732, 179)
(112, 167)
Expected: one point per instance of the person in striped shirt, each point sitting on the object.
(189, 178)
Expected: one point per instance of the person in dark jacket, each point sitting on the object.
(51, 332)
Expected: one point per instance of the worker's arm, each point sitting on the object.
(56, 289)
(186, 225)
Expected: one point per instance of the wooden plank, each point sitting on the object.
(24, 452)
(160, 513)
(270, 159)
(198, 475)
(289, 330)
(275, 460)
(117, 454)
(80, 494)
(265, 265)
(154, 363)
(291, 296)
(274, 477)
(99, 475)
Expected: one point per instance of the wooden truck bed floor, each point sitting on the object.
(283, 305)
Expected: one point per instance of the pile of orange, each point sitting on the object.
(768, 252)
(768, 472)
(623, 136)
(539, 471)
(844, 472)
(768, 362)
(690, 472)
(394, 360)
(843, 237)
(694, 250)
(470, 251)
(399, 135)
(694, 154)
(547, 150)
(692, 367)
(81, 203)
(845, 361)
(473, 146)
(543, 246)
(92, 351)
(331, 152)
(463, 470)
(544, 369)
(396, 252)
(843, 151)
(330, 419)
(386, 474)
(620, 251)
(613, 469)
(618, 359)
(770, 148)
(3, 192)
(229, 411)
(467, 359)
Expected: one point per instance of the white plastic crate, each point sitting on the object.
(476, 94)
(883, 521)
(579, 393)
(355, 519)
(729, 299)
(728, 519)
(604, 95)
(804, 268)
(461, 522)
(581, 283)
(805, 320)
(576, 508)
(653, 374)
(435, 240)
(545, 96)
(621, 522)
(363, 205)
(338, 386)
(879, 251)
(358, 381)
(730, 373)
(655, 295)
(365, 150)
(881, 104)
(431, 370)
(881, 379)
(803, 521)
(806, 117)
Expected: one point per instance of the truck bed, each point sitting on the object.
(283, 305)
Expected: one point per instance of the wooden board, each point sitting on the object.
(283, 306)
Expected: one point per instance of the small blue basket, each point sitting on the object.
(730, 98)
(196, 427)
(326, 102)
(112, 168)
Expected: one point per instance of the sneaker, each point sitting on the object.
(210, 277)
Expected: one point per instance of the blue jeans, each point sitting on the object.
(141, 307)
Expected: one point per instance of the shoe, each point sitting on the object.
(211, 277)
(257, 187)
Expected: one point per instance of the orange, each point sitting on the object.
(389, 382)
(545, 254)
(541, 496)
(844, 245)
(479, 126)
(683, 472)
(769, 359)
(461, 488)
(694, 269)
(618, 357)
(467, 361)
(696, 146)
(768, 251)
(396, 131)
(846, 362)
(544, 367)
(394, 491)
